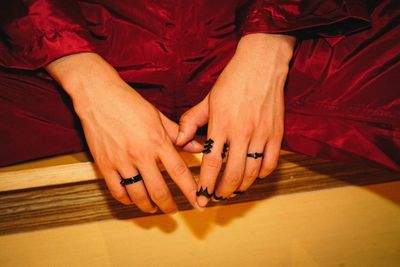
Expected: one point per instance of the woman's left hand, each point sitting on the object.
(245, 110)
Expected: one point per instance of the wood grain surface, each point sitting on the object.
(88, 200)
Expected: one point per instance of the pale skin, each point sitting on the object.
(244, 109)
(127, 135)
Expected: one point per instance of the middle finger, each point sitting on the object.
(156, 186)
(137, 191)
(234, 169)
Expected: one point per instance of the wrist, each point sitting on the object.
(80, 72)
(84, 76)
(262, 46)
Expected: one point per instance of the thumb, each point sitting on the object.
(191, 120)
(172, 130)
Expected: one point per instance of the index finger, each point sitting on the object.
(180, 173)
(209, 170)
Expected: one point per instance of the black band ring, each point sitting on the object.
(132, 180)
(204, 192)
(255, 155)
(208, 146)
(224, 150)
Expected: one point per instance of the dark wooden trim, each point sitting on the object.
(45, 207)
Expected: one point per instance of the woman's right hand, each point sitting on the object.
(126, 134)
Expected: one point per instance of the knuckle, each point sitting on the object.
(268, 169)
(119, 160)
(140, 198)
(159, 195)
(134, 152)
(157, 138)
(185, 116)
(119, 195)
(246, 133)
(252, 174)
(103, 163)
(179, 169)
(213, 162)
(234, 180)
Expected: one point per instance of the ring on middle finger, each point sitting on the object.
(224, 150)
(209, 145)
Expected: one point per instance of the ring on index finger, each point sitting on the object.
(131, 180)
(209, 144)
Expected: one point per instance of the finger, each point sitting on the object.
(271, 157)
(234, 169)
(191, 120)
(137, 191)
(113, 179)
(171, 127)
(179, 173)
(209, 169)
(172, 130)
(156, 186)
(252, 166)
(193, 147)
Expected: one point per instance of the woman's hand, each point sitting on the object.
(126, 134)
(244, 109)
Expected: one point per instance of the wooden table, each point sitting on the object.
(68, 190)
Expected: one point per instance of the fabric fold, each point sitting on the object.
(329, 19)
(35, 33)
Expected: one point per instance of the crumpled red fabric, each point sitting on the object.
(342, 98)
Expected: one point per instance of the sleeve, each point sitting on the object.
(331, 19)
(36, 32)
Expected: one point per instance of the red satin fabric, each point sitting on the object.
(342, 98)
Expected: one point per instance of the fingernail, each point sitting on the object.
(196, 144)
(197, 207)
(179, 138)
(154, 210)
(202, 201)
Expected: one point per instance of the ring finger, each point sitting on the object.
(137, 190)
(253, 163)
(234, 170)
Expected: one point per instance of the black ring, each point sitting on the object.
(204, 192)
(219, 198)
(224, 150)
(255, 155)
(208, 146)
(132, 180)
